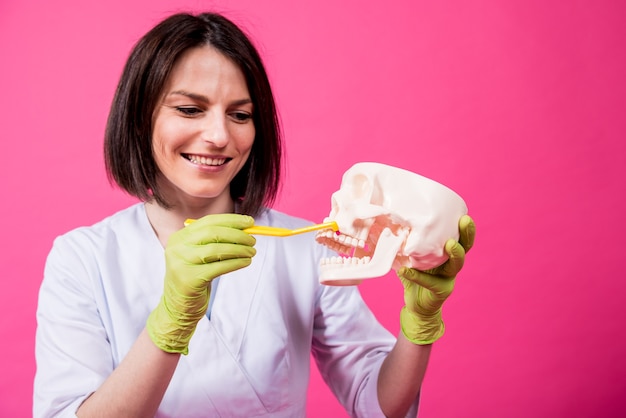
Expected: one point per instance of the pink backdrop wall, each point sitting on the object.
(519, 106)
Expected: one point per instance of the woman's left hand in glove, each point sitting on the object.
(426, 291)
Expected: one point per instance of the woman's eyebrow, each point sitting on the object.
(205, 99)
(194, 96)
(241, 102)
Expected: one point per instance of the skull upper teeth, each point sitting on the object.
(342, 244)
(329, 237)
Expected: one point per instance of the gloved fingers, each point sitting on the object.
(436, 284)
(232, 220)
(456, 259)
(192, 277)
(210, 234)
(199, 230)
(467, 232)
(227, 266)
(211, 253)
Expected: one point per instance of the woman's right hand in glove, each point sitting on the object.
(194, 256)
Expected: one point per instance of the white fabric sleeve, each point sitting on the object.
(72, 352)
(349, 346)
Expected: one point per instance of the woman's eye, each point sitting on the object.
(188, 111)
(241, 116)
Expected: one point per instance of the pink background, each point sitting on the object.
(517, 105)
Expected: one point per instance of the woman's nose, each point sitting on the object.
(215, 130)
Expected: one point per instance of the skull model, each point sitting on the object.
(388, 218)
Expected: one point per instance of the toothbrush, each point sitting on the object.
(284, 232)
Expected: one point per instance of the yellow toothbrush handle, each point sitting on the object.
(283, 232)
(268, 230)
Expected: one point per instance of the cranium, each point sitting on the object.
(387, 217)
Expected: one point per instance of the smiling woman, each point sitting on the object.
(131, 321)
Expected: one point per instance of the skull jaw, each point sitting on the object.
(387, 247)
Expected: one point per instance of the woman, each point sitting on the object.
(193, 133)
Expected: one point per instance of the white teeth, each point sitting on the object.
(345, 260)
(206, 161)
(344, 245)
(341, 239)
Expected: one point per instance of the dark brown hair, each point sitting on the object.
(128, 138)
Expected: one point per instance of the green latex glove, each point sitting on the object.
(426, 291)
(195, 255)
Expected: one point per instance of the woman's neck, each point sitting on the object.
(167, 221)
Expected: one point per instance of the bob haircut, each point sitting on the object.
(128, 154)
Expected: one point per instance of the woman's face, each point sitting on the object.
(203, 129)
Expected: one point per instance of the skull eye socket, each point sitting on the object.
(364, 189)
(360, 187)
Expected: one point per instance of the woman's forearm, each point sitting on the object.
(136, 387)
(401, 375)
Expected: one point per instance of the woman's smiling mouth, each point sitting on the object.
(199, 159)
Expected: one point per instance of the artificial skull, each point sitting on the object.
(388, 218)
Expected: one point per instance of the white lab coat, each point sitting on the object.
(250, 359)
